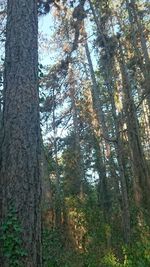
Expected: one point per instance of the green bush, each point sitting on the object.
(135, 255)
(12, 247)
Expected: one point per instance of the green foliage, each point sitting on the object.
(110, 260)
(98, 249)
(138, 254)
(12, 248)
(135, 255)
(56, 252)
(51, 247)
(40, 71)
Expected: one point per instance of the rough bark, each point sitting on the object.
(20, 159)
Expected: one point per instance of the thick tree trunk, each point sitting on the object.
(19, 169)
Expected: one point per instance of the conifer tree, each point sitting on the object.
(20, 145)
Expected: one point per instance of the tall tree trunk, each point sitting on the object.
(103, 194)
(141, 53)
(139, 165)
(78, 152)
(20, 159)
(57, 173)
(117, 142)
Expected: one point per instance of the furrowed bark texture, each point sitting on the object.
(20, 172)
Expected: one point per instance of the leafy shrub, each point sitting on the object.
(135, 255)
(12, 247)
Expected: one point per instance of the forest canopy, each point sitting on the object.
(75, 133)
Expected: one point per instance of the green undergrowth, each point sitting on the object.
(55, 253)
(12, 248)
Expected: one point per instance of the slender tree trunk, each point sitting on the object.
(140, 169)
(140, 53)
(78, 152)
(20, 159)
(117, 144)
(103, 194)
(102, 188)
(58, 189)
